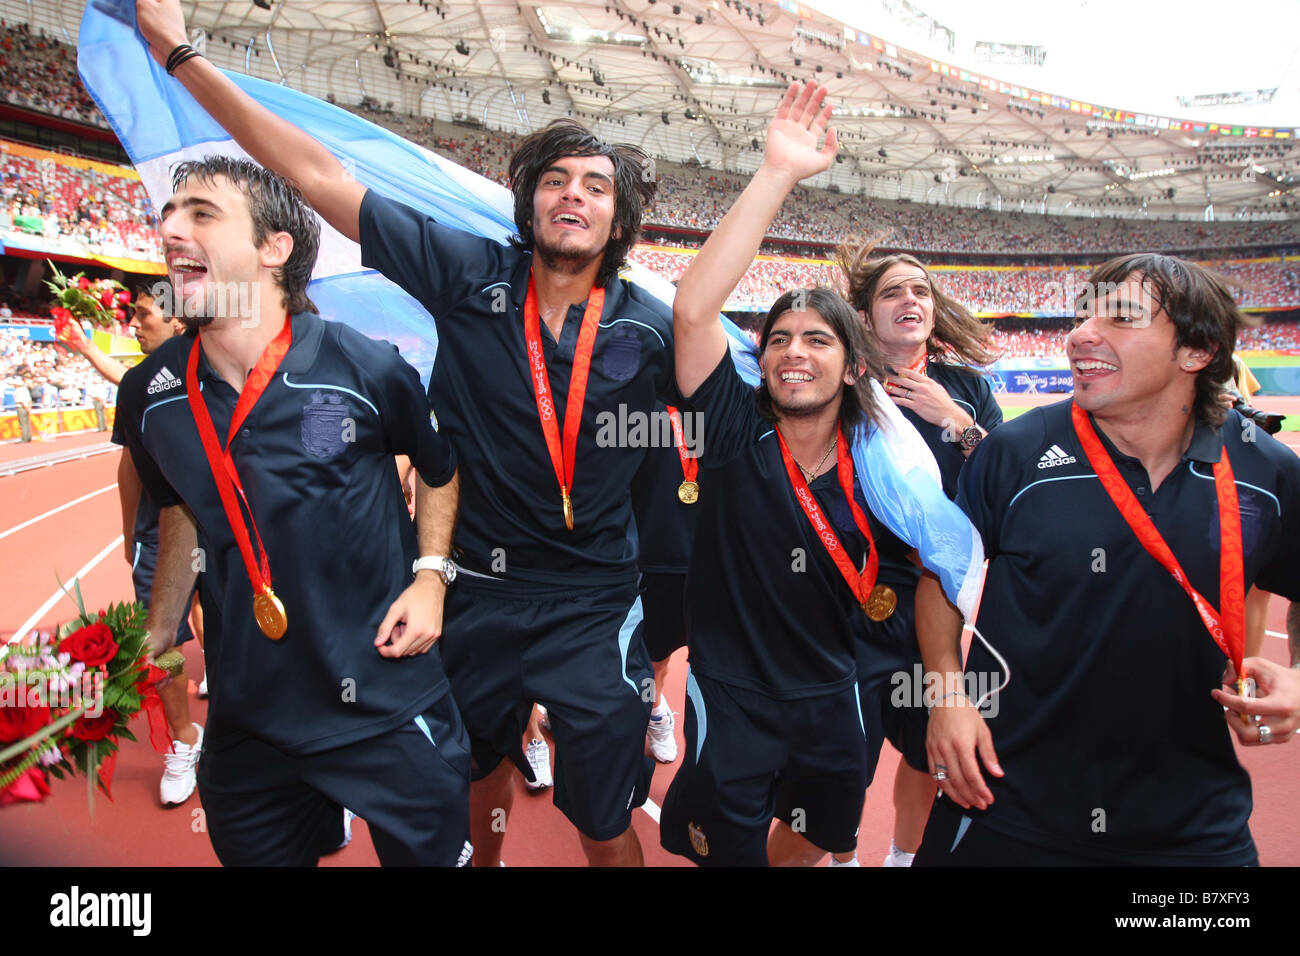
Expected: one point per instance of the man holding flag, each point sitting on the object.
(534, 341)
(1123, 528)
(783, 573)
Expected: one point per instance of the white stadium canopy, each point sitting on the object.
(695, 82)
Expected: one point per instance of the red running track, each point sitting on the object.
(133, 830)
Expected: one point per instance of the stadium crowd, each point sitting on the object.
(694, 198)
(80, 208)
(52, 377)
(986, 291)
(74, 206)
(40, 73)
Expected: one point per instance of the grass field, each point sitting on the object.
(1272, 361)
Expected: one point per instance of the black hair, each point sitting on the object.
(1199, 305)
(275, 205)
(858, 404)
(634, 185)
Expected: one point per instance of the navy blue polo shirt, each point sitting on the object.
(1110, 740)
(665, 525)
(766, 607)
(971, 391)
(511, 525)
(315, 457)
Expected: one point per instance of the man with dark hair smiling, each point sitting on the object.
(267, 442)
(783, 572)
(534, 341)
(1123, 528)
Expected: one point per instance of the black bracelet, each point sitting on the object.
(179, 55)
(186, 58)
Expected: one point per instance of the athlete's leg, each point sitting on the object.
(661, 676)
(787, 848)
(490, 800)
(175, 698)
(913, 796)
(623, 850)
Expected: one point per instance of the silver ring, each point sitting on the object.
(1265, 734)
(940, 775)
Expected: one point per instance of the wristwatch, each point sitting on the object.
(445, 567)
(972, 436)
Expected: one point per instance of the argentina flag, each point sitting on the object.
(159, 124)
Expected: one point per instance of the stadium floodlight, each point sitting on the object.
(568, 27)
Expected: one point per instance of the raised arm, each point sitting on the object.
(104, 364)
(276, 144)
(792, 154)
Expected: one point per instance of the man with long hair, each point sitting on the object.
(534, 341)
(1123, 527)
(931, 345)
(783, 567)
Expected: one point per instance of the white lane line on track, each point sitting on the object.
(1276, 634)
(651, 808)
(54, 598)
(53, 511)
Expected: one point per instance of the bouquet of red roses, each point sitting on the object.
(66, 698)
(77, 299)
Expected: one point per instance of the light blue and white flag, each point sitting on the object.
(160, 124)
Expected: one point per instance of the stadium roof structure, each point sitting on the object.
(695, 82)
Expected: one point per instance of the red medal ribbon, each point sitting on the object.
(690, 466)
(219, 460)
(1228, 630)
(563, 455)
(860, 584)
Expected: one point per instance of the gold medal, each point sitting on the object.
(173, 662)
(688, 492)
(881, 604)
(568, 508)
(270, 614)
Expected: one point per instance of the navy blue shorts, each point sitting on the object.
(890, 682)
(580, 654)
(411, 786)
(663, 599)
(749, 759)
(142, 571)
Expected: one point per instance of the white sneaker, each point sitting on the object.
(203, 685)
(347, 827)
(543, 718)
(852, 862)
(897, 857)
(538, 755)
(179, 778)
(663, 745)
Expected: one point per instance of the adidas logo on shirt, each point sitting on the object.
(163, 381)
(1055, 457)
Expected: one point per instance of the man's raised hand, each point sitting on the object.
(162, 24)
(792, 138)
